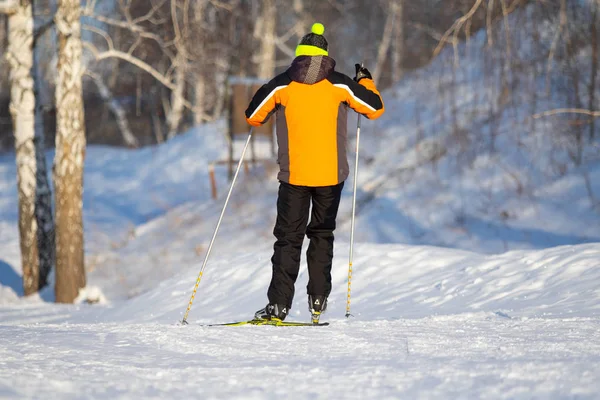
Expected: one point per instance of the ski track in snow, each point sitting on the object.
(462, 356)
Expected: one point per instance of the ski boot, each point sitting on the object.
(316, 305)
(272, 312)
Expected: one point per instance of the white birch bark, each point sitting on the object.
(22, 109)
(9, 6)
(118, 111)
(398, 44)
(384, 45)
(200, 84)
(70, 153)
(303, 23)
(221, 82)
(199, 91)
(177, 103)
(266, 34)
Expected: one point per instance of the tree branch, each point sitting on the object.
(455, 28)
(431, 32)
(223, 5)
(561, 27)
(132, 27)
(285, 49)
(9, 6)
(513, 6)
(149, 15)
(115, 107)
(42, 30)
(100, 32)
(112, 53)
(594, 114)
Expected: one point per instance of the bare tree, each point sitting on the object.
(118, 111)
(180, 67)
(265, 32)
(384, 44)
(43, 199)
(594, 68)
(22, 109)
(303, 24)
(9, 6)
(169, 64)
(398, 43)
(455, 31)
(199, 76)
(70, 153)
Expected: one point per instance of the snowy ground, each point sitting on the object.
(467, 356)
(428, 323)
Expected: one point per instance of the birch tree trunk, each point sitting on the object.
(22, 106)
(384, 45)
(177, 103)
(200, 85)
(180, 65)
(43, 198)
(303, 18)
(199, 92)
(594, 67)
(398, 45)
(70, 153)
(266, 33)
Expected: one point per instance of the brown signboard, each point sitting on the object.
(241, 94)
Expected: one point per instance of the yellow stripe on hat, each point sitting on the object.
(308, 50)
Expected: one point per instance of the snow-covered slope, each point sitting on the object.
(427, 323)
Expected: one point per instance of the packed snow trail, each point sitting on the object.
(461, 356)
(429, 323)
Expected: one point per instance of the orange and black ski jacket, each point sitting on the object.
(311, 102)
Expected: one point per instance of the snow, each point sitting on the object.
(428, 322)
(470, 282)
(468, 356)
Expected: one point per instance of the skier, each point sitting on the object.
(310, 101)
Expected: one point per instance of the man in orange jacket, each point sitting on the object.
(310, 102)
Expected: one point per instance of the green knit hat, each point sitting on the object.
(314, 43)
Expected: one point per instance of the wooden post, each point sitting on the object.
(213, 181)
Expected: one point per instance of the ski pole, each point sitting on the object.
(353, 217)
(184, 321)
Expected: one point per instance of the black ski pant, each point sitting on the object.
(293, 204)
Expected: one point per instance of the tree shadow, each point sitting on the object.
(11, 279)
(8, 277)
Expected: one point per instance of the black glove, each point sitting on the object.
(361, 72)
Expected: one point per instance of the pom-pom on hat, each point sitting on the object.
(314, 43)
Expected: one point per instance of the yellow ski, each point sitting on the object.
(272, 322)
